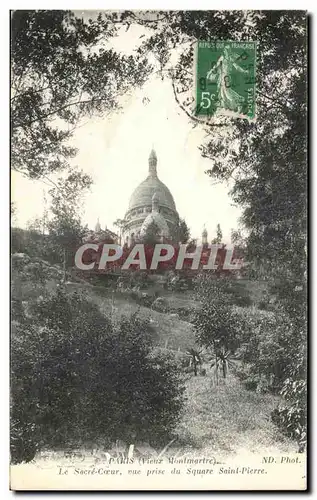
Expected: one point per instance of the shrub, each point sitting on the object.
(77, 376)
(142, 298)
(35, 244)
(139, 278)
(274, 357)
(290, 416)
(160, 304)
(268, 346)
(185, 313)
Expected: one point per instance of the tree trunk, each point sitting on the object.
(224, 369)
(64, 266)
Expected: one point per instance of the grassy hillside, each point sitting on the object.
(228, 419)
(35, 278)
(171, 331)
(224, 419)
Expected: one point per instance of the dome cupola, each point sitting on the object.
(142, 195)
(204, 236)
(97, 226)
(155, 218)
(150, 202)
(152, 164)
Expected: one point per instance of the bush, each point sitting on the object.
(274, 356)
(139, 278)
(77, 376)
(34, 270)
(34, 244)
(290, 416)
(268, 346)
(238, 292)
(185, 313)
(142, 298)
(160, 304)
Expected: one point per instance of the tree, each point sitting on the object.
(214, 324)
(237, 239)
(218, 238)
(222, 360)
(65, 228)
(120, 224)
(62, 70)
(77, 377)
(13, 212)
(181, 234)
(195, 358)
(152, 234)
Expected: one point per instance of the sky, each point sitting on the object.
(114, 150)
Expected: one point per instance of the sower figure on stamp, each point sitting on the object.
(221, 73)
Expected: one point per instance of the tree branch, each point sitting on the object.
(41, 179)
(280, 104)
(54, 111)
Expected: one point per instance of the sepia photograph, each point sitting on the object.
(158, 250)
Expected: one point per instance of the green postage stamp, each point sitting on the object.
(225, 78)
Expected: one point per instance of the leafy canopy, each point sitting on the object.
(62, 70)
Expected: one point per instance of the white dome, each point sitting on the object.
(144, 192)
(156, 218)
(151, 202)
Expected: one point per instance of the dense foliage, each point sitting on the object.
(265, 160)
(214, 322)
(265, 349)
(77, 375)
(273, 350)
(152, 235)
(62, 69)
(182, 232)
